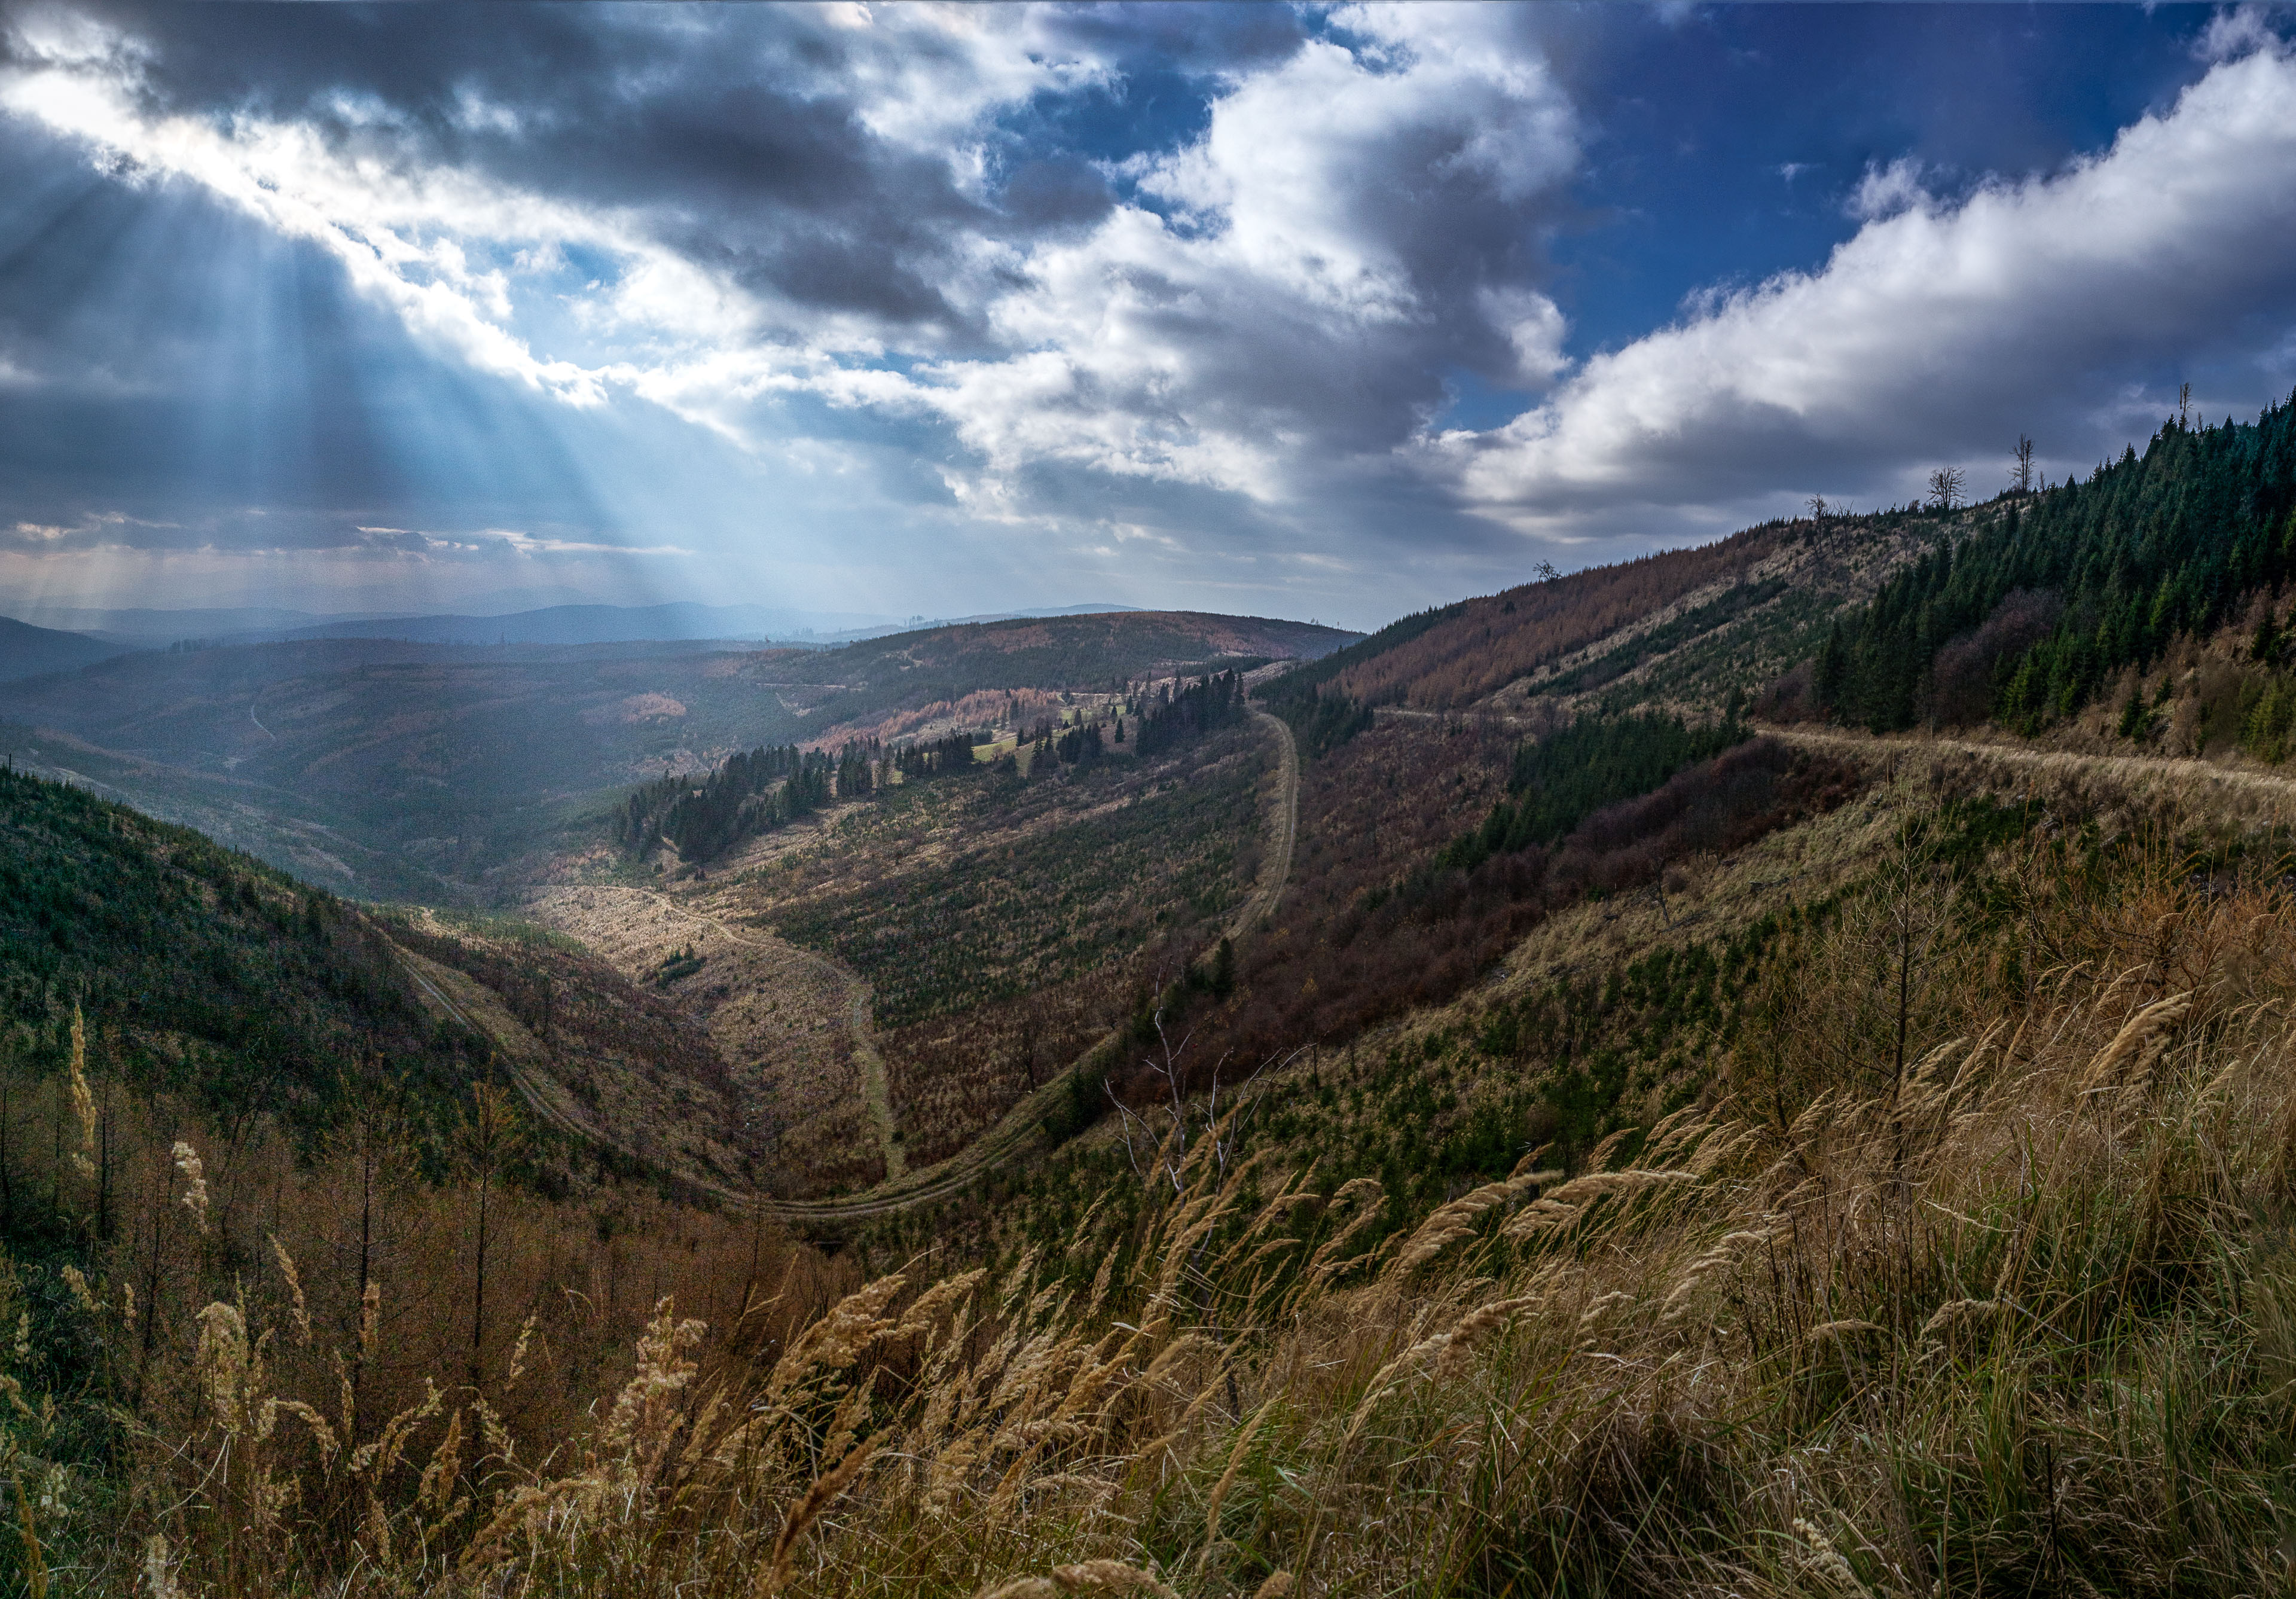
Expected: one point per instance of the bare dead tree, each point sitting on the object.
(1024, 1049)
(492, 1135)
(1544, 572)
(1818, 509)
(2020, 475)
(2184, 405)
(1170, 1153)
(1945, 488)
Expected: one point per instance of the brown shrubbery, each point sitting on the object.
(1504, 636)
(1961, 677)
(1370, 929)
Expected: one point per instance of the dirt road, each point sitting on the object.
(1283, 828)
(2136, 771)
(903, 1188)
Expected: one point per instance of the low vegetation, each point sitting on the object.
(1392, 907)
(1976, 1287)
(999, 964)
(1638, 1153)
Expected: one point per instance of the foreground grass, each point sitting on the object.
(2014, 1312)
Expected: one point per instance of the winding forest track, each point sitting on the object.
(876, 1084)
(2179, 772)
(1283, 831)
(1019, 1126)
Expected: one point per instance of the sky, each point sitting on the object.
(1329, 312)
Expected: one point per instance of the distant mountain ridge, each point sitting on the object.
(29, 651)
(671, 622)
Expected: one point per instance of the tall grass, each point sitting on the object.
(2016, 1314)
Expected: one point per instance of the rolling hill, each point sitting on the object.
(29, 651)
(457, 762)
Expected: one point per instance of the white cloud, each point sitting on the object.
(1251, 313)
(1886, 190)
(370, 220)
(1216, 346)
(2236, 31)
(1534, 328)
(1935, 330)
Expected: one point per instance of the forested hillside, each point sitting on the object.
(2030, 614)
(198, 970)
(29, 652)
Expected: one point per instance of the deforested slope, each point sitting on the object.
(1678, 630)
(1481, 645)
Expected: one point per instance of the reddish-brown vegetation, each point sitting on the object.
(981, 708)
(1371, 927)
(952, 1077)
(1496, 639)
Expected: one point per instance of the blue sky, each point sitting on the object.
(1330, 312)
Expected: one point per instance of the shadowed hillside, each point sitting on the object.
(201, 971)
(29, 651)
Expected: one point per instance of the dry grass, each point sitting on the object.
(2014, 1312)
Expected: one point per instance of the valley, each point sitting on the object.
(1665, 968)
(451, 774)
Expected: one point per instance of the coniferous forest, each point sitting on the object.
(2052, 596)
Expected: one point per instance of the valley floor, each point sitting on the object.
(799, 1027)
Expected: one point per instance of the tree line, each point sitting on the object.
(766, 788)
(1559, 781)
(1169, 719)
(749, 794)
(2030, 617)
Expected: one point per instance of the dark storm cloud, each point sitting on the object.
(1205, 258)
(1060, 192)
(740, 139)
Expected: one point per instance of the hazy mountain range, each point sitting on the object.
(54, 639)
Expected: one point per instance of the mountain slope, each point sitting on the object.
(202, 969)
(29, 651)
(1678, 630)
(462, 760)
(204, 973)
(907, 670)
(2045, 601)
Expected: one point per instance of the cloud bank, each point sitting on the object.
(1946, 326)
(1078, 299)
